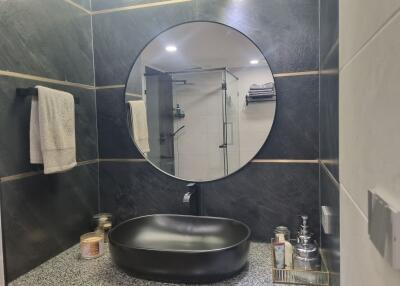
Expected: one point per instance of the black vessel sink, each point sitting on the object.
(178, 248)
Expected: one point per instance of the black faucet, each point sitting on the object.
(194, 197)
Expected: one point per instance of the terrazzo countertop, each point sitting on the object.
(69, 269)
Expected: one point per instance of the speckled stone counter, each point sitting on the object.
(69, 269)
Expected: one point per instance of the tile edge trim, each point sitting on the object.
(276, 75)
(35, 173)
(4, 73)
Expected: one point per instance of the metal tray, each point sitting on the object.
(299, 277)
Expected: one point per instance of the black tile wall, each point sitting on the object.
(37, 39)
(329, 130)
(83, 3)
(265, 195)
(14, 123)
(130, 189)
(330, 242)
(286, 31)
(294, 134)
(114, 139)
(106, 4)
(261, 195)
(44, 215)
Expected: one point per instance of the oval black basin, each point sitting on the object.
(178, 248)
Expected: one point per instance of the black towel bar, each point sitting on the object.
(32, 91)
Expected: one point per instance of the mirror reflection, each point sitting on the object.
(201, 100)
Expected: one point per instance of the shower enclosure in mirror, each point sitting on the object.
(201, 100)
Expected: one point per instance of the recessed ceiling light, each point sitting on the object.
(254, 62)
(171, 48)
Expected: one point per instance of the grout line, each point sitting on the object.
(330, 53)
(78, 6)
(110, 86)
(44, 79)
(121, 160)
(330, 175)
(139, 6)
(35, 173)
(290, 74)
(282, 161)
(344, 190)
(370, 39)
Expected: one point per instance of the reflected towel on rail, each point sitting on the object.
(139, 124)
(52, 130)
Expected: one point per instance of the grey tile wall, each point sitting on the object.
(294, 134)
(83, 3)
(106, 4)
(38, 39)
(114, 139)
(286, 31)
(329, 86)
(14, 123)
(261, 195)
(329, 129)
(44, 215)
(330, 242)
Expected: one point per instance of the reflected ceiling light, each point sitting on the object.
(254, 62)
(171, 48)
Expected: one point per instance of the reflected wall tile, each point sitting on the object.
(294, 134)
(330, 242)
(114, 138)
(84, 3)
(286, 31)
(15, 118)
(44, 215)
(120, 37)
(46, 38)
(134, 189)
(107, 4)
(265, 195)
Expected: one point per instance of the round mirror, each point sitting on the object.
(201, 100)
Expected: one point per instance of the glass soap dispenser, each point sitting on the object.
(306, 255)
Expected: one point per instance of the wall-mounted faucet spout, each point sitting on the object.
(194, 197)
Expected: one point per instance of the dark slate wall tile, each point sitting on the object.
(330, 242)
(46, 38)
(120, 37)
(294, 134)
(131, 189)
(265, 195)
(107, 4)
(44, 215)
(114, 139)
(329, 118)
(286, 31)
(83, 3)
(14, 123)
(329, 27)
(261, 195)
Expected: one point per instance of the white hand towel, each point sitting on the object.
(139, 124)
(53, 125)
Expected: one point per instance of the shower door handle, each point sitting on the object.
(223, 146)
